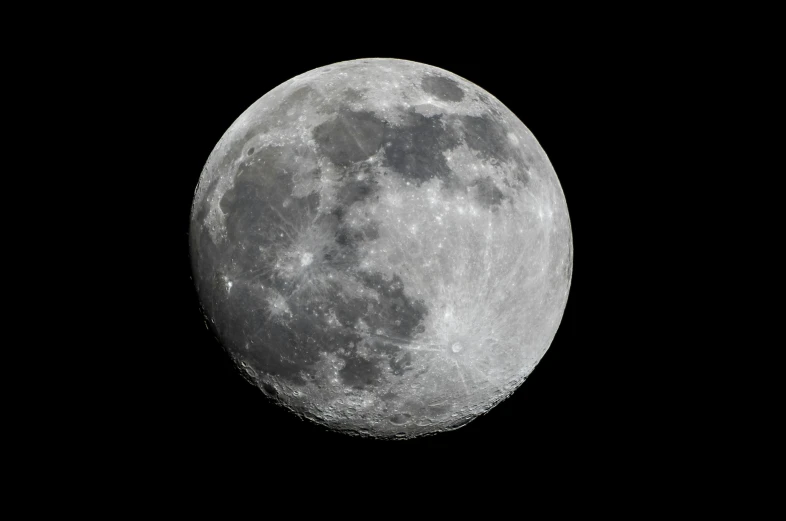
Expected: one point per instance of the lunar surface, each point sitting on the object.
(382, 247)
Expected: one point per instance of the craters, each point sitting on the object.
(248, 369)
(443, 88)
(277, 305)
(400, 418)
(269, 390)
(438, 409)
(399, 365)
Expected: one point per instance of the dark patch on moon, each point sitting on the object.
(259, 226)
(522, 176)
(488, 194)
(356, 190)
(352, 95)
(400, 418)
(269, 390)
(350, 137)
(392, 315)
(415, 149)
(295, 101)
(351, 237)
(487, 136)
(395, 313)
(274, 348)
(443, 88)
(399, 365)
(253, 206)
(360, 372)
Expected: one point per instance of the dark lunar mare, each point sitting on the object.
(443, 88)
(415, 148)
(258, 225)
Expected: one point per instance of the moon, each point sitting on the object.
(382, 247)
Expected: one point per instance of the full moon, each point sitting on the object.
(382, 247)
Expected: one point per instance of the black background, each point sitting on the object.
(589, 401)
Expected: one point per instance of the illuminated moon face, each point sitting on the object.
(382, 247)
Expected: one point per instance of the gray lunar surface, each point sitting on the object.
(382, 247)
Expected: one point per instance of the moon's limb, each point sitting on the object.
(382, 246)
